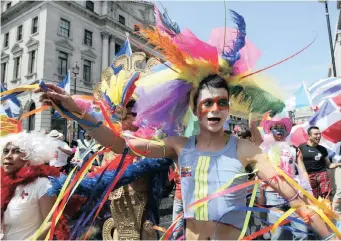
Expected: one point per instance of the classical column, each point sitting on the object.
(112, 49)
(104, 7)
(105, 49)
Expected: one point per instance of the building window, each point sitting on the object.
(87, 70)
(19, 33)
(9, 4)
(32, 63)
(64, 28)
(17, 68)
(117, 48)
(32, 118)
(88, 38)
(62, 64)
(3, 72)
(89, 5)
(35, 25)
(6, 38)
(121, 19)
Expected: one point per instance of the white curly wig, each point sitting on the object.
(38, 147)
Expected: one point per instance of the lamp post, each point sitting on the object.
(75, 71)
(330, 35)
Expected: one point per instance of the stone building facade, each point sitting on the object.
(43, 40)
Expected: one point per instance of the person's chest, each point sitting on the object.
(23, 207)
(312, 154)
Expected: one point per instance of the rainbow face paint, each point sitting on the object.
(219, 103)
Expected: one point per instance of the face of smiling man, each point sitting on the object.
(213, 108)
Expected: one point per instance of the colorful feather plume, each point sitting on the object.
(167, 47)
(165, 24)
(194, 60)
(129, 89)
(233, 55)
(117, 93)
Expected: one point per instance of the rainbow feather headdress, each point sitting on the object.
(228, 53)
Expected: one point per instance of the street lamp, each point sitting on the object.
(75, 71)
(330, 35)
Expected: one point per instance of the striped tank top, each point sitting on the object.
(203, 173)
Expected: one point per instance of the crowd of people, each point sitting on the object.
(111, 184)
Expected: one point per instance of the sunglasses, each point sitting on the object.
(132, 114)
(220, 103)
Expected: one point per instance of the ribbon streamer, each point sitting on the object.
(62, 191)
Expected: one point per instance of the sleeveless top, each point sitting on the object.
(203, 173)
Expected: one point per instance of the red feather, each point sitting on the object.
(131, 90)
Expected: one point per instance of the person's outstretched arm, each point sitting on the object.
(250, 153)
(103, 134)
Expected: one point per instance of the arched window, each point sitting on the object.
(32, 118)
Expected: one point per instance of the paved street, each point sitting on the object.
(166, 210)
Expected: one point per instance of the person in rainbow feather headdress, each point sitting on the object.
(207, 79)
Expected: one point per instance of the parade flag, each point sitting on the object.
(324, 89)
(11, 106)
(124, 50)
(300, 99)
(328, 119)
(65, 83)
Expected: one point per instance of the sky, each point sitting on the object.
(278, 28)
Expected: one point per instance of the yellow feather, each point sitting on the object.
(115, 88)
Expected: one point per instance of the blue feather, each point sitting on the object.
(233, 55)
(132, 173)
(107, 99)
(173, 26)
(128, 86)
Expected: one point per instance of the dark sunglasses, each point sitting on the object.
(132, 114)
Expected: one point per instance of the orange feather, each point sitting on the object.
(167, 47)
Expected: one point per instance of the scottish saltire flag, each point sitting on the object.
(65, 83)
(124, 50)
(11, 106)
(328, 119)
(324, 89)
(299, 99)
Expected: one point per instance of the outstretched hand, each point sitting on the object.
(59, 96)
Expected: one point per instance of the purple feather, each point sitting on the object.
(165, 113)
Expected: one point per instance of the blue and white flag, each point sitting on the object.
(11, 106)
(324, 89)
(299, 99)
(65, 83)
(124, 50)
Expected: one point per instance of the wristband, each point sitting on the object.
(96, 127)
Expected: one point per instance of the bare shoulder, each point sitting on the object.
(248, 152)
(176, 142)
